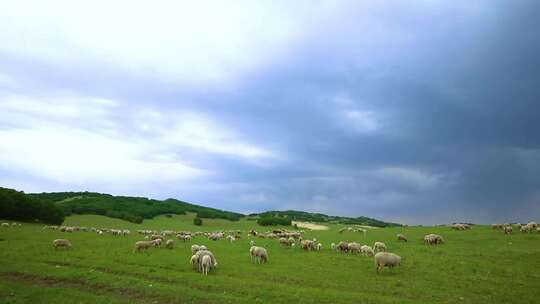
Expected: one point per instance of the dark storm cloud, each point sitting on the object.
(416, 113)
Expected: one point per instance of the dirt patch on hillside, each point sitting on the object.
(308, 225)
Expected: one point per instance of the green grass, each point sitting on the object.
(477, 266)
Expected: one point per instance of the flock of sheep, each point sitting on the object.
(526, 228)
(204, 260)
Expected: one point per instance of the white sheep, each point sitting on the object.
(206, 264)
(61, 243)
(195, 248)
(252, 243)
(354, 247)
(379, 246)
(259, 254)
(386, 259)
(319, 247)
(333, 246)
(401, 237)
(169, 244)
(143, 245)
(366, 250)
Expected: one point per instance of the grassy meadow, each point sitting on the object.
(476, 266)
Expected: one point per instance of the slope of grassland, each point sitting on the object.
(477, 266)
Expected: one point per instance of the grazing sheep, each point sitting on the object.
(333, 246)
(319, 247)
(258, 254)
(401, 237)
(507, 230)
(524, 229)
(169, 244)
(5, 225)
(206, 264)
(366, 250)
(433, 239)
(143, 246)
(379, 246)
(308, 245)
(157, 242)
(533, 225)
(61, 243)
(354, 247)
(386, 259)
(202, 253)
(538, 229)
(252, 243)
(342, 246)
(156, 236)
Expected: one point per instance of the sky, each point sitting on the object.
(417, 112)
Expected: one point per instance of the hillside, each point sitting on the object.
(323, 218)
(133, 209)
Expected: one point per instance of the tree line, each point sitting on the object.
(18, 206)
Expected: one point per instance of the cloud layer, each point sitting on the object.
(417, 112)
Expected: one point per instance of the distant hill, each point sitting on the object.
(322, 218)
(133, 209)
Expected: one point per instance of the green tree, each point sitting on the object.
(197, 221)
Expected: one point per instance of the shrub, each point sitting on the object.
(197, 221)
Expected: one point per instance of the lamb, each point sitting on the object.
(143, 245)
(386, 259)
(61, 243)
(379, 246)
(259, 254)
(401, 237)
(366, 250)
(169, 244)
(194, 261)
(206, 264)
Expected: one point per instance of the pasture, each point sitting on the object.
(474, 266)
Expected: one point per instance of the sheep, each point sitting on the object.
(258, 254)
(386, 259)
(143, 245)
(156, 236)
(379, 246)
(194, 248)
(157, 242)
(319, 247)
(206, 264)
(252, 243)
(231, 238)
(354, 247)
(507, 230)
(201, 254)
(194, 261)
(366, 250)
(433, 239)
(5, 225)
(401, 237)
(202, 247)
(308, 245)
(524, 229)
(342, 246)
(333, 246)
(538, 229)
(169, 244)
(61, 243)
(533, 225)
